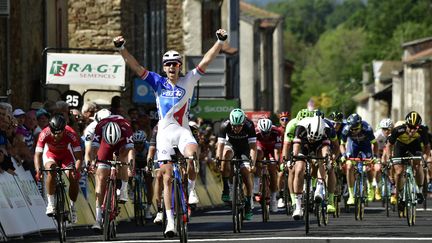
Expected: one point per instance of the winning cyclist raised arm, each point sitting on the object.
(173, 97)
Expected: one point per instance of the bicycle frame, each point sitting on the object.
(360, 185)
(409, 191)
(140, 192)
(308, 159)
(109, 206)
(62, 206)
(265, 188)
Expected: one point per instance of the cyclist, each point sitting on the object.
(312, 136)
(357, 136)
(237, 137)
(90, 152)
(174, 94)
(141, 148)
(269, 147)
(381, 135)
(411, 137)
(113, 135)
(336, 119)
(283, 121)
(288, 139)
(57, 138)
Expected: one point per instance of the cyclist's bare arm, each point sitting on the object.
(38, 161)
(131, 158)
(79, 157)
(219, 150)
(427, 152)
(210, 55)
(151, 153)
(277, 152)
(132, 62)
(296, 149)
(285, 150)
(335, 146)
(375, 147)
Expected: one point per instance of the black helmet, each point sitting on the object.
(413, 119)
(57, 123)
(336, 116)
(319, 113)
(354, 120)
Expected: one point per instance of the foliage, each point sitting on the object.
(330, 40)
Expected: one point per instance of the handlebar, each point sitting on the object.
(113, 163)
(307, 157)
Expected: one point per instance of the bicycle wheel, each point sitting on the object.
(336, 201)
(363, 197)
(234, 203)
(318, 213)
(386, 195)
(180, 214)
(357, 199)
(307, 203)
(286, 196)
(109, 199)
(60, 211)
(263, 202)
(240, 204)
(138, 209)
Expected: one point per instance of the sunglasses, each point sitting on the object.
(284, 119)
(355, 128)
(237, 126)
(169, 64)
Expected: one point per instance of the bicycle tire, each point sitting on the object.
(363, 197)
(60, 212)
(386, 192)
(164, 218)
(182, 216)
(317, 212)
(138, 214)
(307, 199)
(241, 204)
(107, 211)
(264, 192)
(286, 196)
(324, 214)
(336, 201)
(357, 199)
(234, 205)
(425, 189)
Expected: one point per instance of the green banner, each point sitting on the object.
(214, 109)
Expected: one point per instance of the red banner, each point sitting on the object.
(256, 115)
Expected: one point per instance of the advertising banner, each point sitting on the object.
(256, 115)
(33, 198)
(94, 69)
(214, 109)
(15, 216)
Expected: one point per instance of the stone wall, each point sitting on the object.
(25, 48)
(175, 25)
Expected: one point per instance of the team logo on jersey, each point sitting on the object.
(177, 93)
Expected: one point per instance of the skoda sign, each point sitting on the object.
(214, 109)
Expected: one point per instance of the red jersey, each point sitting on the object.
(59, 151)
(270, 141)
(106, 151)
(282, 132)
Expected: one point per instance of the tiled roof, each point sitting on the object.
(420, 56)
(256, 12)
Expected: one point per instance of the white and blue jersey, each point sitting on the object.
(359, 142)
(173, 101)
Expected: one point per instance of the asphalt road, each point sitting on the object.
(214, 225)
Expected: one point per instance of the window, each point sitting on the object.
(211, 21)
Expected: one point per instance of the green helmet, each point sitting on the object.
(303, 113)
(237, 117)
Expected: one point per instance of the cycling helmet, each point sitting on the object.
(172, 56)
(284, 114)
(304, 113)
(315, 129)
(336, 116)
(265, 125)
(237, 117)
(413, 119)
(139, 136)
(354, 120)
(57, 123)
(386, 123)
(102, 114)
(111, 133)
(319, 113)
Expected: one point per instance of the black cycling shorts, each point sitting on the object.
(401, 149)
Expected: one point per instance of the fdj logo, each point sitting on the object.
(173, 93)
(58, 68)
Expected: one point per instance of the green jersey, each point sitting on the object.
(290, 130)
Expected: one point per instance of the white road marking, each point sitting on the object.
(282, 238)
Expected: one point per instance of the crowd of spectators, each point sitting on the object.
(19, 129)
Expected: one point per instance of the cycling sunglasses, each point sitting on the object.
(284, 119)
(411, 127)
(354, 129)
(169, 64)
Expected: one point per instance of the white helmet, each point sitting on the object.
(111, 133)
(102, 114)
(315, 129)
(139, 136)
(386, 123)
(265, 125)
(172, 56)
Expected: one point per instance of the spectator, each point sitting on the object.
(116, 107)
(6, 163)
(36, 105)
(42, 117)
(88, 111)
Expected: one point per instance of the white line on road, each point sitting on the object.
(284, 238)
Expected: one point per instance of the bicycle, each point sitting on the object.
(140, 199)
(265, 189)
(286, 192)
(360, 184)
(409, 191)
(179, 196)
(386, 188)
(307, 198)
(238, 200)
(110, 209)
(62, 207)
(339, 191)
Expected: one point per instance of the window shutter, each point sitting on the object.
(4, 7)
